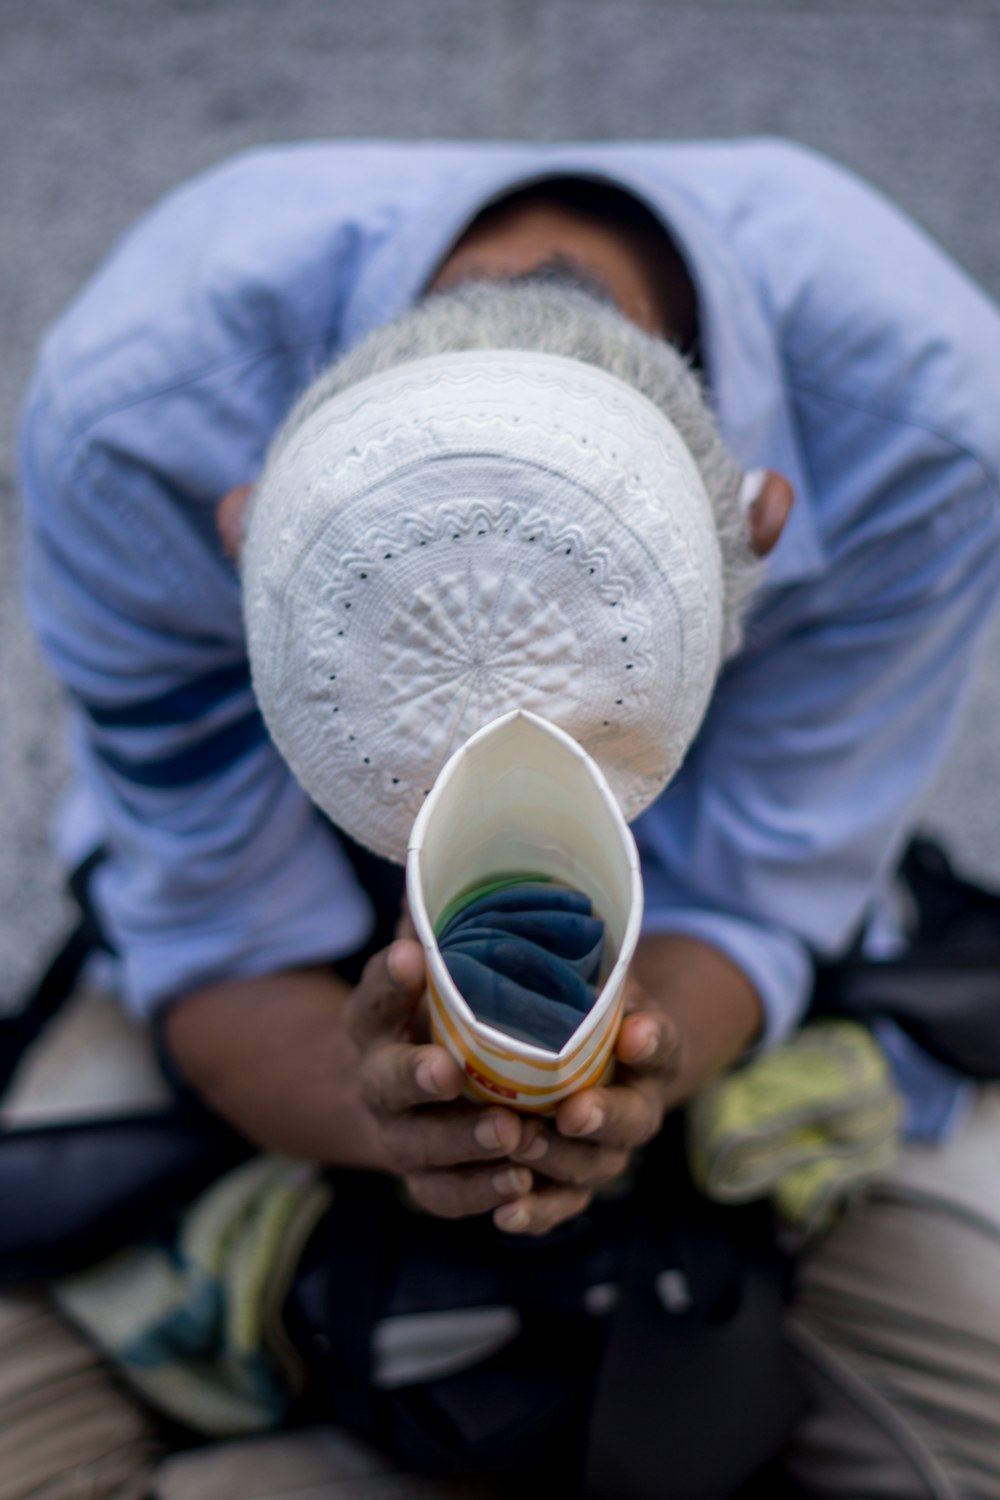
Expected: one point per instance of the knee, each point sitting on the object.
(897, 1322)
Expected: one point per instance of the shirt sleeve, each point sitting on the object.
(219, 865)
(825, 730)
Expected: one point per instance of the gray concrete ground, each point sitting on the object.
(106, 105)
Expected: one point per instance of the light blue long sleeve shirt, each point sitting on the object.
(840, 346)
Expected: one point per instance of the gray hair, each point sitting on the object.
(549, 315)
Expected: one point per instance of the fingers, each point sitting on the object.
(386, 1000)
(648, 1042)
(573, 1163)
(597, 1128)
(540, 1211)
(405, 927)
(595, 1132)
(398, 1076)
(460, 1159)
(468, 1189)
(413, 1091)
(450, 1136)
(629, 1112)
(622, 1116)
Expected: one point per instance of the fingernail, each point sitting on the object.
(649, 1046)
(430, 1075)
(512, 1182)
(487, 1133)
(536, 1149)
(401, 962)
(512, 1221)
(593, 1121)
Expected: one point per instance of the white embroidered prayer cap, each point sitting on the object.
(468, 534)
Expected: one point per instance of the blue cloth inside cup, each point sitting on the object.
(526, 955)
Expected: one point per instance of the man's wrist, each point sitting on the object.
(272, 1056)
(710, 1000)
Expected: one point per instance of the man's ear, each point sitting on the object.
(229, 520)
(766, 499)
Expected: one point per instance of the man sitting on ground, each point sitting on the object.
(789, 326)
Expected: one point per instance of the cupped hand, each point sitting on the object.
(593, 1133)
(453, 1156)
(691, 1012)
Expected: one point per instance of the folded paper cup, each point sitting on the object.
(521, 797)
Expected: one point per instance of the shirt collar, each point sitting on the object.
(742, 360)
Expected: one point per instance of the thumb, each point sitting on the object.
(405, 927)
(388, 994)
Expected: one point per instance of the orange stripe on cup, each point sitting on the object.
(488, 1083)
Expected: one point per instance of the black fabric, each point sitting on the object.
(697, 1402)
(944, 990)
(73, 1192)
(526, 955)
(19, 1030)
(609, 1403)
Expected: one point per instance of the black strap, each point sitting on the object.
(949, 908)
(21, 1029)
(944, 990)
(71, 1193)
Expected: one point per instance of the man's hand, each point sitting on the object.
(691, 1013)
(305, 1066)
(453, 1156)
(593, 1134)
